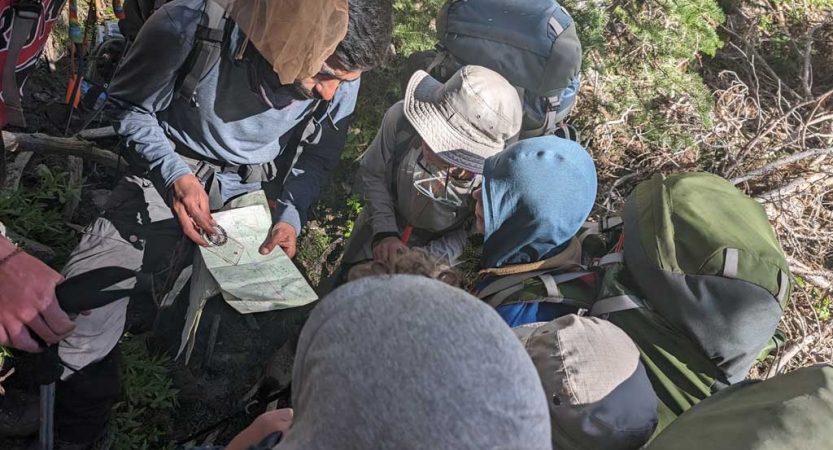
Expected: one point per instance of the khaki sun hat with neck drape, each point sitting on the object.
(294, 36)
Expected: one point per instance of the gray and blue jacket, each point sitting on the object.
(228, 123)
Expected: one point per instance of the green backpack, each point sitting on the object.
(691, 271)
(700, 285)
(791, 411)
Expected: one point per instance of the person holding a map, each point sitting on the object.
(272, 112)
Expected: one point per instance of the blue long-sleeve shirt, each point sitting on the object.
(230, 124)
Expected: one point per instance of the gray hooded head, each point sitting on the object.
(406, 362)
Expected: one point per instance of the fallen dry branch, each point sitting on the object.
(34, 248)
(796, 185)
(794, 349)
(97, 133)
(42, 143)
(761, 134)
(75, 166)
(774, 140)
(820, 278)
(14, 171)
(615, 184)
(4, 377)
(769, 168)
(771, 72)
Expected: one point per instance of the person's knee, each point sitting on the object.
(95, 336)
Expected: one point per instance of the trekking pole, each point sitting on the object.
(79, 51)
(103, 105)
(81, 293)
(46, 438)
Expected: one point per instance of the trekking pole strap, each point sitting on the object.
(46, 436)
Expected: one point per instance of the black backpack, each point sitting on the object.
(207, 48)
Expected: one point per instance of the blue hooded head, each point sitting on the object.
(536, 195)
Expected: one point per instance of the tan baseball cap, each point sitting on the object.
(598, 391)
(467, 119)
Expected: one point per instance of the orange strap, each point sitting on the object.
(406, 235)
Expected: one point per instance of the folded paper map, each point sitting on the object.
(251, 282)
(248, 281)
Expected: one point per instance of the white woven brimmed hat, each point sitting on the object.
(467, 119)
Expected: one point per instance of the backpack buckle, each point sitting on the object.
(204, 170)
(609, 223)
(553, 104)
(214, 35)
(29, 9)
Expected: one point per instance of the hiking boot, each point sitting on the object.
(19, 414)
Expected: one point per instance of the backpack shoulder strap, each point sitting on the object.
(616, 304)
(507, 282)
(444, 65)
(406, 141)
(498, 291)
(207, 48)
(559, 106)
(304, 130)
(26, 15)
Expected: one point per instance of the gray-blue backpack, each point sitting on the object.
(532, 43)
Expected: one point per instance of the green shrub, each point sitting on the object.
(5, 354)
(35, 212)
(142, 420)
(642, 90)
(412, 32)
(354, 208)
(672, 29)
(312, 246)
(413, 29)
